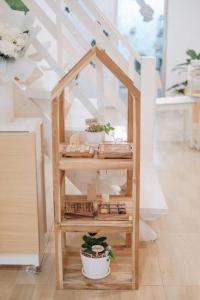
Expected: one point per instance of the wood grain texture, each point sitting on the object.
(83, 225)
(136, 193)
(120, 277)
(94, 164)
(18, 194)
(57, 189)
(169, 268)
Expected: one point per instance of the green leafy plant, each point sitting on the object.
(96, 127)
(91, 240)
(17, 5)
(179, 88)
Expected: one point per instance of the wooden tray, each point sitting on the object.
(78, 151)
(115, 150)
(77, 209)
(112, 212)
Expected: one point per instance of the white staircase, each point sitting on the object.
(66, 29)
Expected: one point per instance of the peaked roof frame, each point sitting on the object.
(107, 62)
(133, 136)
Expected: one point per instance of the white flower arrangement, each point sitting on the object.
(12, 42)
(16, 36)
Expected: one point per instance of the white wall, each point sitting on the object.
(182, 33)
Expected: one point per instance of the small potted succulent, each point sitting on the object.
(95, 256)
(95, 132)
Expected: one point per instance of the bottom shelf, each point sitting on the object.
(120, 277)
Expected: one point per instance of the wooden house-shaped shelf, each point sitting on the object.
(124, 270)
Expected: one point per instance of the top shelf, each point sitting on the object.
(95, 164)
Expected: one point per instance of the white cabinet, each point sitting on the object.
(22, 200)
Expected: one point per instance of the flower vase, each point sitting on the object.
(6, 102)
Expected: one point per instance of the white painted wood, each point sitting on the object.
(173, 101)
(47, 56)
(59, 36)
(97, 31)
(108, 25)
(19, 259)
(152, 199)
(42, 16)
(6, 102)
(69, 26)
(148, 98)
(79, 93)
(41, 88)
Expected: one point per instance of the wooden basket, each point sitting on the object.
(78, 151)
(112, 211)
(74, 208)
(115, 150)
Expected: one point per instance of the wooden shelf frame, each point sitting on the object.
(119, 279)
(60, 165)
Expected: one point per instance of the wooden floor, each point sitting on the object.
(170, 267)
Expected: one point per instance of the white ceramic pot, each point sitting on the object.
(94, 137)
(95, 268)
(6, 103)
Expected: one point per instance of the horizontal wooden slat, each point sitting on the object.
(95, 164)
(80, 198)
(88, 224)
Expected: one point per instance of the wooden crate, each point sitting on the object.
(78, 151)
(112, 211)
(77, 209)
(115, 150)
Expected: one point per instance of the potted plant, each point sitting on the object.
(95, 256)
(180, 88)
(95, 132)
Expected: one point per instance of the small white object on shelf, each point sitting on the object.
(94, 137)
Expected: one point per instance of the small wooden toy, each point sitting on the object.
(74, 209)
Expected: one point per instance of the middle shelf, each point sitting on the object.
(88, 224)
(95, 164)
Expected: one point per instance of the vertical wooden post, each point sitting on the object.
(130, 140)
(62, 117)
(57, 175)
(129, 184)
(136, 192)
(62, 140)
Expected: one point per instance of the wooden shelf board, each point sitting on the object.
(120, 277)
(114, 198)
(88, 224)
(94, 164)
